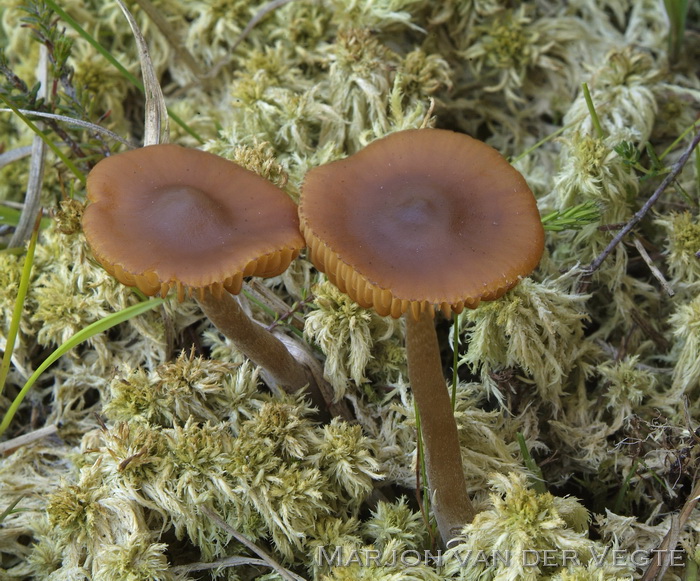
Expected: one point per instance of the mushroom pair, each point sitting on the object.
(419, 220)
(165, 216)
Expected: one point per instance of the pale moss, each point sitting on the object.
(302, 25)
(107, 22)
(190, 387)
(312, 82)
(488, 438)
(330, 530)
(63, 308)
(259, 158)
(28, 476)
(287, 119)
(387, 366)
(623, 95)
(11, 266)
(374, 14)
(220, 347)
(276, 475)
(681, 247)
(200, 114)
(626, 385)
(538, 327)
(69, 293)
(396, 522)
(628, 533)
(347, 334)
(68, 216)
(214, 26)
(129, 454)
(78, 390)
(359, 79)
(348, 458)
(593, 572)
(109, 89)
(46, 556)
(135, 558)
(622, 90)
(519, 520)
(391, 423)
(513, 50)
(16, 44)
(591, 170)
(580, 436)
(685, 326)
(77, 511)
(424, 74)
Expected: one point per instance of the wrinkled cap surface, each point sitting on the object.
(164, 216)
(421, 219)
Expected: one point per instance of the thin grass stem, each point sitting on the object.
(591, 110)
(81, 336)
(19, 305)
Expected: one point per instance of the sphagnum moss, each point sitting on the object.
(312, 83)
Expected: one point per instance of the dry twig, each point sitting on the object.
(672, 175)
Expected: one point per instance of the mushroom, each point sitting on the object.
(419, 220)
(165, 216)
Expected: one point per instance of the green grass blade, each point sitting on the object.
(11, 216)
(19, 305)
(540, 143)
(687, 131)
(82, 335)
(677, 12)
(591, 110)
(691, 569)
(537, 479)
(10, 509)
(573, 218)
(624, 489)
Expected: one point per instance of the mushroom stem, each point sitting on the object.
(443, 459)
(260, 346)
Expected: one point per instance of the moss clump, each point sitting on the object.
(501, 541)
(537, 327)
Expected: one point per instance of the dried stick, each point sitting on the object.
(672, 175)
(264, 555)
(652, 267)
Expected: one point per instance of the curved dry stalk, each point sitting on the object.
(183, 55)
(672, 175)
(32, 200)
(16, 154)
(24, 151)
(157, 125)
(221, 523)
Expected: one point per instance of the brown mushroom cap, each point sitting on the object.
(165, 215)
(421, 218)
